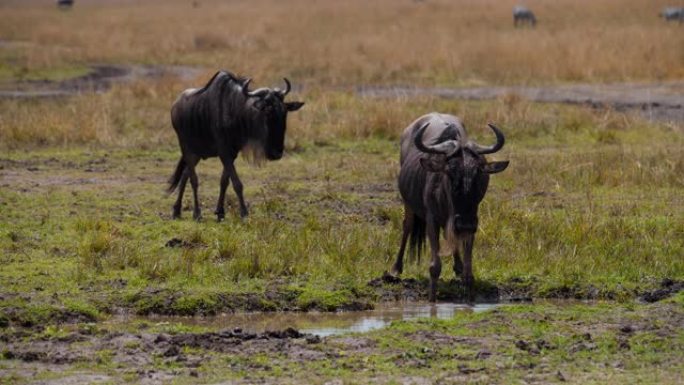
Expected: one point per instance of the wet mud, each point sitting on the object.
(668, 288)
(146, 356)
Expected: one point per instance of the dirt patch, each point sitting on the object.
(100, 79)
(654, 101)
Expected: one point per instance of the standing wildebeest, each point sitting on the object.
(522, 15)
(220, 119)
(443, 178)
(673, 14)
(64, 4)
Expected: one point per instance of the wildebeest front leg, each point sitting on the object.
(178, 206)
(468, 278)
(398, 266)
(435, 262)
(225, 180)
(237, 186)
(458, 264)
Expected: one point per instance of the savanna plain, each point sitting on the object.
(581, 239)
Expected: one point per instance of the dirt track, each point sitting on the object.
(662, 101)
(100, 79)
(654, 101)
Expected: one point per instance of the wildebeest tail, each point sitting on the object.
(176, 177)
(416, 238)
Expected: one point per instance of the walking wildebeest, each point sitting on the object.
(443, 178)
(673, 14)
(220, 119)
(522, 15)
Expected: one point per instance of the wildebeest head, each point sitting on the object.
(467, 175)
(272, 110)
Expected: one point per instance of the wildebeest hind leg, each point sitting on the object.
(194, 182)
(178, 206)
(237, 186)
(435, 262)
(398, 266)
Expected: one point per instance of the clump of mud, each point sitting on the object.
(668, 288)
(81, 346)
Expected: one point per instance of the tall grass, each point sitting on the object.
(359, 41)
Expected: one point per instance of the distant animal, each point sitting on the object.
(65, 4)
(673, 14)
(443, 178)
(523, 15)
(221, 119)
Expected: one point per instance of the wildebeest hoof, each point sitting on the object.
(175, 215)
(220, 216)
(197, 216)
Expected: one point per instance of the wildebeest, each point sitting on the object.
(220, 119)
(673, 14)
(522, 15)
(64, 4)
(443, 178)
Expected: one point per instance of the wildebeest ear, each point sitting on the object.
(293, 106)
(494, 167)
(433, 163)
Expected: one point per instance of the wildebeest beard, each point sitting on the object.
(461, 191)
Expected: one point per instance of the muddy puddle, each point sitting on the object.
(323, 324)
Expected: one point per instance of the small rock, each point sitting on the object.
(172, 351)
(543, 344)
(313, 339)
(161, 338)
(560, 376)
(524, 345)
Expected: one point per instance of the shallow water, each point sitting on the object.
(326, 324)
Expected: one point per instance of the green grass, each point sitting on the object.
(573, 216)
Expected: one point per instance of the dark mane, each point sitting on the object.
(230, 75)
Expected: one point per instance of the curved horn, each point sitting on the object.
(445, 148)
(288, 87)
(258, 92)
(500, 140)
(245, 86)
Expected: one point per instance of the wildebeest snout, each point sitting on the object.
(462, 224)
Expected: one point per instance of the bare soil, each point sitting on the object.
(100, 79)
(655, 101)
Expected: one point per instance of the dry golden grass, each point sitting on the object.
(360, 41)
